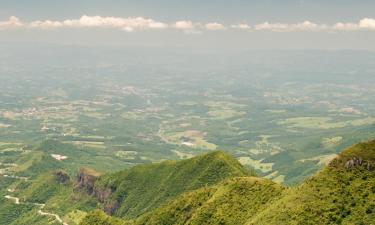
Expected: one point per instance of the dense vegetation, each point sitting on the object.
(232, 201)
(213, 188)
(98, 217)
(342, 193)
(142, 187)
(145, 187)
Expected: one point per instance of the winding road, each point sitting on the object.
(40, 211)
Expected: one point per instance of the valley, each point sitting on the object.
(124, 115)
(129, 138)
(165, 112)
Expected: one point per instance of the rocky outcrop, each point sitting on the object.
(111, 207)
(86, 180)
(357, 162)
(62, 177)
(353, 162)
(102, 194)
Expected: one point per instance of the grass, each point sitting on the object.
(335, 195)
(224, 114)
(90, 144)
(264, 146)
(75, 217)
(312, 123)
(182, 155)
(256, 164)
(100, 218)
(2, 125)
(232, 201)
(331, 142)
(323, 122)
(194, 138)
(322, 159)
(145, 187)
(133, 116)
(209, 189)
(9, 143)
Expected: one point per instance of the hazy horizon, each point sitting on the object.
(292, 24)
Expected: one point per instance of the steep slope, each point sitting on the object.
(231, 202)
(26, 198)
(98, 217)
(133, 192)
(343, 193)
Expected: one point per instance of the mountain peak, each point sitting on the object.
(359, 155)
(139, 189)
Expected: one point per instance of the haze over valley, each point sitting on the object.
(111, 118)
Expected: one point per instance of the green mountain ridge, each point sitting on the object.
(232, 201)
(133, 192)
(213, 188)
(342, 193)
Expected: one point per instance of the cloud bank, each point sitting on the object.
(215, 26)
(131, 24)
(128, 24)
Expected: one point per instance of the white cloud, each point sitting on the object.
(215, 26)
(184, 25)
(367, 23)
(241, 26)
(127, 24)
(47, 24)
(364, 24)
(284, 27)
(131, 24)
(11, 23)
(345, 26)
(135, 23)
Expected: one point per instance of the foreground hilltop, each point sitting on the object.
(126, 194)
(132, 192)
(342, 193)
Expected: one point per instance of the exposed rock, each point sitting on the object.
(102, 194)
(357, 162)
(111, 207)
(354, 162)
(62, 177)
(86, 179)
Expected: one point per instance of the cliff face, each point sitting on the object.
(62, 177)
(132, 192)
(85, 180)
(103, 195)
(358, 156)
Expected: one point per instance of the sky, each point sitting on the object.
(218, 24)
